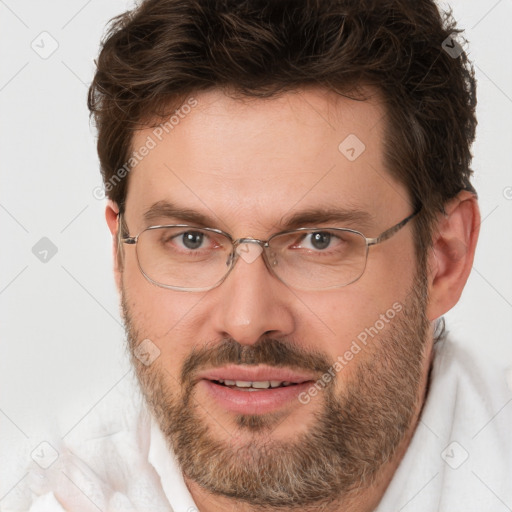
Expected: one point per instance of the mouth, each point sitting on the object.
(241, 385)
(244, 389)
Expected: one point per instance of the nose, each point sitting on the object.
(251, 302)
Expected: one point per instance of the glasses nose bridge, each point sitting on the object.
(249, 240)
(236, 253)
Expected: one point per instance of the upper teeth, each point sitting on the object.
(262, 384)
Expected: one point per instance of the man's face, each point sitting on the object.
(248, 166)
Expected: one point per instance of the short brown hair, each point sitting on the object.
(157, 55)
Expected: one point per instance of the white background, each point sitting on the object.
(62, 342)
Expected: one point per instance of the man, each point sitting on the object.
(292, 215)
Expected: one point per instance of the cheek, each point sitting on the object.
(165, 317)
(364, 310)
(390, 270)
(157, 309)
(338, 318)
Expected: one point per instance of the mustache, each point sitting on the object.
(267, 351)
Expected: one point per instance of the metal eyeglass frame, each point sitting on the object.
(233, 258)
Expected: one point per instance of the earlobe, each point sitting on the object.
(453, 252)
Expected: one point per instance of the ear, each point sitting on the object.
(451, 258)
(112, 217)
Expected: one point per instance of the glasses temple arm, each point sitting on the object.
(392, 230)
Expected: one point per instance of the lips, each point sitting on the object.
(244, 389)
(257, 377)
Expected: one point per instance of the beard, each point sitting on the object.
(358, 423)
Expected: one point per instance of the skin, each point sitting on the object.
(247, 164)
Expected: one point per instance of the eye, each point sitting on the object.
(191, 239)
(318, 241)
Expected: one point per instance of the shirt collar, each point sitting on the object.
(162, 458)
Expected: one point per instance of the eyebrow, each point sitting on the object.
(324, 215)
(165, 210)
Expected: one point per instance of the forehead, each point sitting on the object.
(252, 161)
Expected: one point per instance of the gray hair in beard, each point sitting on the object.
(358, 429)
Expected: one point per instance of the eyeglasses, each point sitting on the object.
(188, 258)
